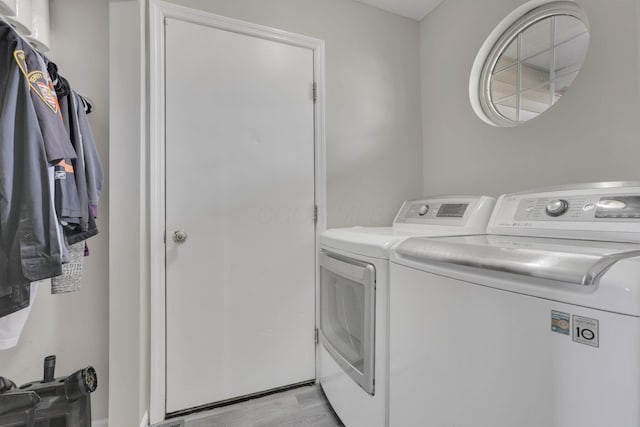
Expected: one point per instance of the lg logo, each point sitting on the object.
(585, 331)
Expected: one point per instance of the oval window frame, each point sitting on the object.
(483, 104)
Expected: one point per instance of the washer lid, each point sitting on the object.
(570, 261)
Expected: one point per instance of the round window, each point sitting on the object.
(532, 63)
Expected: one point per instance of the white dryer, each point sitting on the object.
(354, 264)
(536, 324)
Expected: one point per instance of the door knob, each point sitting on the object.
(179, 236)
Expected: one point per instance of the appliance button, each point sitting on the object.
(557, 207)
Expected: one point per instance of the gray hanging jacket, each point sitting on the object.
(32, 137)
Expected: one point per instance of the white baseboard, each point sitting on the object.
(105, 422)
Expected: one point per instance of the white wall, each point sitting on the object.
(591, 134)
(74, 326)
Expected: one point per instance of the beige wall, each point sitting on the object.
(74, 326)
(591, 134)
(373, 99)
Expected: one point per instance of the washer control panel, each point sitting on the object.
(600, 211)
(587, 208)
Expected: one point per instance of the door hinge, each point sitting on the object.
(314, 91)
(315, 214)
(316, 336)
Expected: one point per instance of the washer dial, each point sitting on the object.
(557, 207)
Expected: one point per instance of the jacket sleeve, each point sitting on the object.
(93, 167)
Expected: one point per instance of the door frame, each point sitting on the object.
(160, 10)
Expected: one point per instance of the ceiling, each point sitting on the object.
(414, 9)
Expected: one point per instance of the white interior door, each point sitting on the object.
(240, 184)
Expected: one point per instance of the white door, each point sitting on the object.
(240, 288)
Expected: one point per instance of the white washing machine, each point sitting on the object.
(536, 324)
(354, 265)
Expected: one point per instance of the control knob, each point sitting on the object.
(423, 210)
(557, 207)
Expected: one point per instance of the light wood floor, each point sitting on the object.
(304, 406)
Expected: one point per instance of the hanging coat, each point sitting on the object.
(32, 137)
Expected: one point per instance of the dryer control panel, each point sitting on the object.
(454, 212)
(433, 209)
(601, 211)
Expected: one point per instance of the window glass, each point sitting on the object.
(533, 63)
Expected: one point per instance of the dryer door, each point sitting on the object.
(347, 315)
